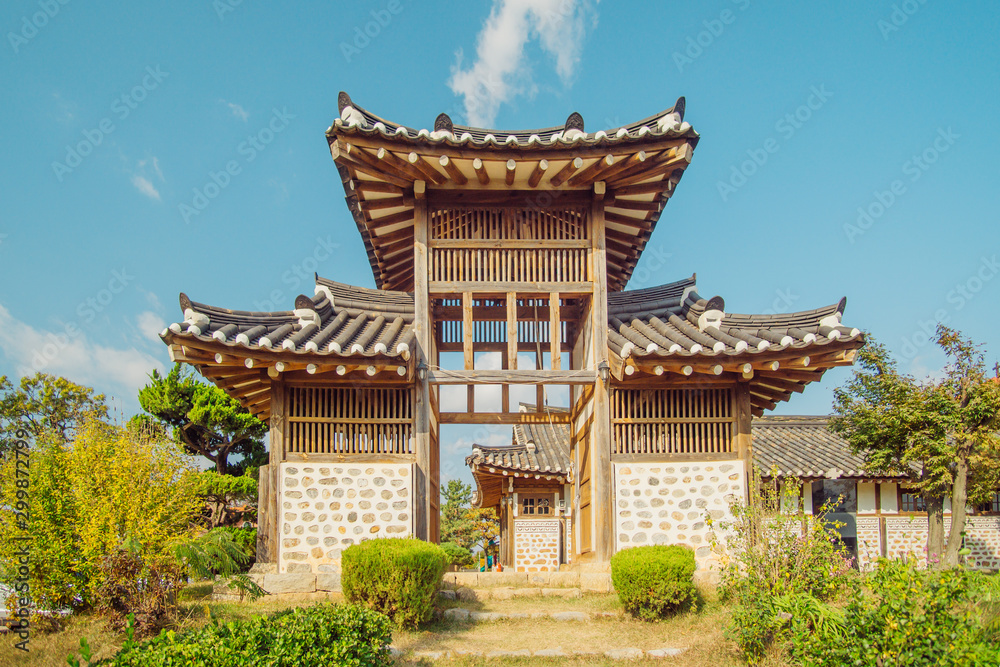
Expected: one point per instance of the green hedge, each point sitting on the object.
(653, 581)
(316, 636)
(398, 577)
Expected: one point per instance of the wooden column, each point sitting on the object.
(268, 502)
(601, 481)
(467, 337)
(422, 398)
(744, 440)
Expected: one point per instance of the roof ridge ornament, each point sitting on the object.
(715, 310)
(573, 128)
(443, 127)
(305, 310)
(343, 101)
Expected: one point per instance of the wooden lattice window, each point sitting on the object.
(992, 505)
(508, 245)
(536, 505)
(340, 420)
(911, 502)
(672, 421)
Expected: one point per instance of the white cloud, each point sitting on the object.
(150, 325)
(145, 186)
(239, 111)
(69, 353)
(499, 72)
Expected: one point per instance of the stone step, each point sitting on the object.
(598, 582)
(457, 614)
(630, 653)
(507, 593)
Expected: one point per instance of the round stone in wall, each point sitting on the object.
(291, 471)
(379, 481)
(307, 481)
(368, 518)
(299, 530)
(312, 493)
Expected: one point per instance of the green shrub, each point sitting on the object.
(398, 577)
(653, 581)
(907, 616)
(316, 636)
(246, 538)
(458, 555)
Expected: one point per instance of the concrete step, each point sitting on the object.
(557, 652)
(507, 593)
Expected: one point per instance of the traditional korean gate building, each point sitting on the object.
(508, 242)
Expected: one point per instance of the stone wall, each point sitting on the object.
(668, 503)
(905, 535)
(982, 537)
(325, 508)
(869, 542)
(536, 545)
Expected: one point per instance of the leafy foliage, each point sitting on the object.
(245, 538)
(132, 588)
(87, 499)
(906, 617)
(315, 636)
(653, 581)
(222, 491)
(941, 433)
(774, 560)
(46, 405)
(214, 552)
(458, 555)
(457, 527)
(398, 577)
(208, 422)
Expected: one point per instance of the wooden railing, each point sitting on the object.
(334, 420)
(672, 421)
(508, 245)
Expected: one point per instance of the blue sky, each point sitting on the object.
(116, 117)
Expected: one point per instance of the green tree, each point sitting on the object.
(940, 433)
(222, 491)
(457, 526)
(205, 419)
(43, 404)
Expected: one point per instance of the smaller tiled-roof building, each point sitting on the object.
(879, 516)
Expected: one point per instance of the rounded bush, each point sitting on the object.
(653, 581)
(398, 577)
(458, 555)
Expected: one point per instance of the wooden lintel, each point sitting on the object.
(512, 377)
(504, 418)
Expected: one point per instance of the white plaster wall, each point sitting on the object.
(325, 508)
(668, 503)
(867, 503)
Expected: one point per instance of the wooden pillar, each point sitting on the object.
(601, 481)
(422, 399)
(467, 348)
(268, 502)
(743, 438)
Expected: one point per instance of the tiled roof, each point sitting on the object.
(340, 321)
(356, 120)
(674, 320)
(537, 448)
(791, 446)
(379, 163)
(804, 447)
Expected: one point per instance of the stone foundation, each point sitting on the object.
(325, 508)
(536, 545)
(670, 502)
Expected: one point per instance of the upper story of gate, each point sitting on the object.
(507, 207)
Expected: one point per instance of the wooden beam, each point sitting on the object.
(512, 376)
(500, 289)
(401, 166)
(454, 172)
(555, 331)
(378, 186)
(602, 498)
(655, 187)
(481, 175)
(422, 403)
(536, 174)
(467, 340)
(563, 174)
(426, 168)
(588, 175)
(510, 173)
(386, 202)
(504, 418)
(511, 330)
